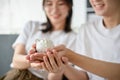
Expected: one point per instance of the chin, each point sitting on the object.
(100, 13)
(56, 21)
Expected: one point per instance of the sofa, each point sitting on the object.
(6, 51)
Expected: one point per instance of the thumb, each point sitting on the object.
(65, 60)
(59, 48)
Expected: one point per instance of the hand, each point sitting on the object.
(33, 55)
(53, 63)
(35, 58)
(36, 65)
(62, 50)
(32, 51)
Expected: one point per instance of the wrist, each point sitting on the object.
(69, 54)
(55, 76)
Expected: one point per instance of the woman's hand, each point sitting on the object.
(32, 51)
(53, 62)
(35, 58)
(55, 65)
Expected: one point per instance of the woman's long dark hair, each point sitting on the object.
(68, 19)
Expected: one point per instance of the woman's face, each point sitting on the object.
(105, 7)
(56, 10)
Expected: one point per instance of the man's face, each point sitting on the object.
(105, 7)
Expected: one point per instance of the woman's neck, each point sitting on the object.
(58, 26)
(112, 21)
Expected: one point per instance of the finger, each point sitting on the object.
(65, 60)
(44, 66)
(57, 58)
(36, 56)
(34, 45)
(59, 48)
(32, 50)
(39, 55)
(36, 65)
(48, 50)
(28, 57)
(34, 59)
(52, 60)
(48, 66)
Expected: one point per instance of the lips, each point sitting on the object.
(56, 16)
(98, 6)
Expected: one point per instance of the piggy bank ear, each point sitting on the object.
(37, 40)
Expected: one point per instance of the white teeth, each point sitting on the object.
(98, 5)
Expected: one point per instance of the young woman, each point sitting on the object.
(57, 28)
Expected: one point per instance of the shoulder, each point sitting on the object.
(31, 27)
(90, 25)
(33, 24)
(72, 33)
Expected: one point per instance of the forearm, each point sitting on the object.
(19, 58)
(20, 62)
(55, 76)
(101, 68)
(73, 74)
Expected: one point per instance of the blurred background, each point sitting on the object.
(15, 13)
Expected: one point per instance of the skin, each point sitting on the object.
(111, 73)
(19, 58)
(56, 65)
(109, 10)
(56, 11)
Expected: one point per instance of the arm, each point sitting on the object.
(19, 58)
(105, 69)
(54, 66)
(57, 67)
(73, 74)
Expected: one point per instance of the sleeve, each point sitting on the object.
(72, 39)
(81, 49)
(80, 43)
(94, 77)
(80, 46)
(23, 36)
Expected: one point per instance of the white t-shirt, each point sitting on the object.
(31, 32)
(98, 42)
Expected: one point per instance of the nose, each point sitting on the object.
(55, 8)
